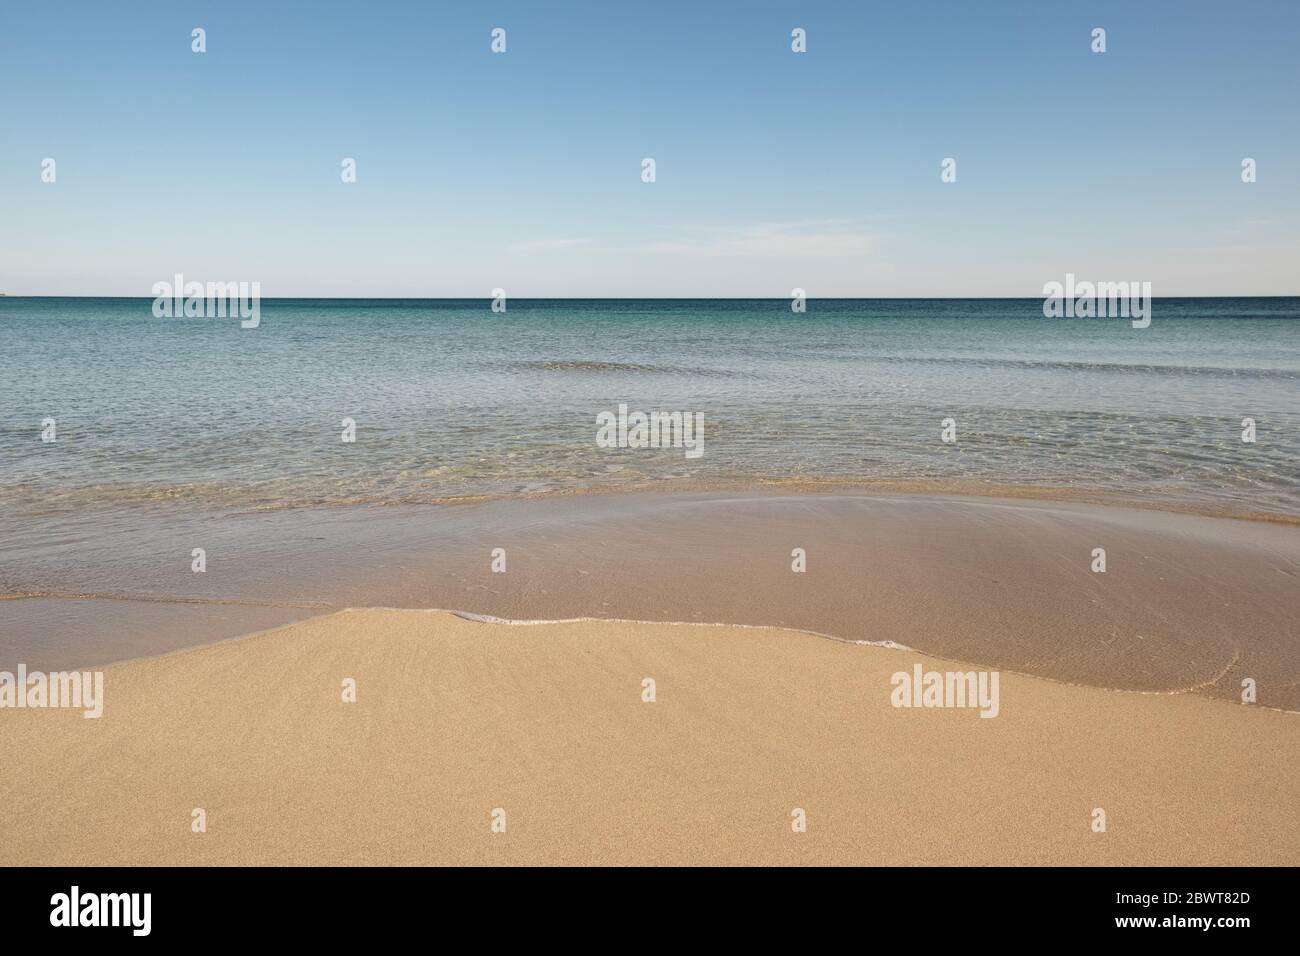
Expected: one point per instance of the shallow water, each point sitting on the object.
(451, 399)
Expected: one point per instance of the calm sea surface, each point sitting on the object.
(451, 399)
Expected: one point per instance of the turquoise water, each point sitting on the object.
(451, 399)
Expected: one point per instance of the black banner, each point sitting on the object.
(172, 905)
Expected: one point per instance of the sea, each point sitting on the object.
(448, 399)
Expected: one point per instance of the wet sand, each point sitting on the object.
(1187, 603)
(455, 719)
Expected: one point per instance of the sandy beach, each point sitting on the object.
(1119, 691)
(455, 719)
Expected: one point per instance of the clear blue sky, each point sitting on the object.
(775, 170)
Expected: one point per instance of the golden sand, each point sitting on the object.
(454, 719)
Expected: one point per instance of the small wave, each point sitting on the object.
(529, 622)
(1283, 374)
(579, 365)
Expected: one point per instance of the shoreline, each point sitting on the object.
(979, 581)
(1100, 496)
(475, 617)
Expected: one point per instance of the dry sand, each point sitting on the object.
(454, 718)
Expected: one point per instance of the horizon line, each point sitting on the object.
(652, 298)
